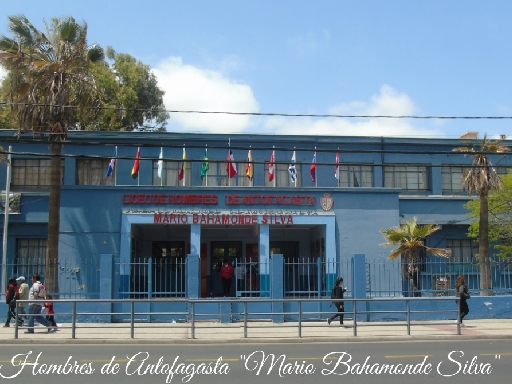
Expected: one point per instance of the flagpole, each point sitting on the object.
(6, 218)
(206, 173)
(138, 174)
(295, 156)
(251, 168)
(115, 169)
(229, 161)
(274, 165)
(316, 166)
(184, 166)
(162, 160)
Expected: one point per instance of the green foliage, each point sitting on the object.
(78, 89)
(500, 218)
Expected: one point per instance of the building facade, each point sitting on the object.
(315, 200)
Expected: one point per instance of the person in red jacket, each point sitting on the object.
(50, 313)
(226, 275)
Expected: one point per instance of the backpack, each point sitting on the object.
(42, 291)
(333, 292)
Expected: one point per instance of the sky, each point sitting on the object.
(442, 58)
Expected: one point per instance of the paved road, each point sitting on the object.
(452, 361)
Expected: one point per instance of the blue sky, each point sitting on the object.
(365, 57)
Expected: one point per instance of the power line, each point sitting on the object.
(271, 114)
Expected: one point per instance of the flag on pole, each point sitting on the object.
(181, 172)
(291, 168)
(271, 170)
(337, 166)
(206, 165)
(248, 166)
(312, 170)
(135, 169)
(112, 164)
(230, 164)
(160, 162)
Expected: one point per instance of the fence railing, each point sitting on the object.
(303, 277)
(357, 311)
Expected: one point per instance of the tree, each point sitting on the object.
(130, 95)
(482, 178)
(500, 219)
(50, 89)
(409, 239)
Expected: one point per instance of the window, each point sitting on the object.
(503, 171)
(451, 180)
(282, 176)
(218, 176)
(463, 258)
(355, 176)
(170, 173)
(32, 174)
(408, 178)
(30, 257)
(93, 172)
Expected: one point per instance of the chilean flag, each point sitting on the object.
(230, 165)
(271, 167)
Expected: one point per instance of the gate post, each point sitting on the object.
(359, 280)
(192, 276)
(277, 287)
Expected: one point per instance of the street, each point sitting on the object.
(468, 362)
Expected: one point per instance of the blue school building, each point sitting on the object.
(318, 202)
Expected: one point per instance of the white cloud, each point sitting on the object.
(188, 88)
(387, 103)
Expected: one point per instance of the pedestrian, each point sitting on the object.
(50, 313)
(226, 275)
(23, 288)
(337, 292)
(461, 290)
(240, 278)
(36, 293)
(11, 295)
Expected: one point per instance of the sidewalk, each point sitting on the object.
(258, 332)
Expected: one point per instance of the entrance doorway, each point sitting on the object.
(220, 251)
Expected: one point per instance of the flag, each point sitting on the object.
(271, 170)
(230, 164)
(160, 162)
(181, 172)
(112, 164)
(248, 166)
(135, 169)
(206, 165)
(312, 170)
(291, 168)
(337, 166)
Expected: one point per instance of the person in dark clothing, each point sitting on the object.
(11, 295)
(461, 290)
(338, 291)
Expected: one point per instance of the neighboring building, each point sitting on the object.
(316, 225)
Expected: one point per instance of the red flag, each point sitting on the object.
(271, 170)
(230, 165)
(312, 170)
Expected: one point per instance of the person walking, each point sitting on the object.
(226, 275)
(50, 313)
(337, 295)
(23, 288)
(461, 290)
(36, 293)
(11, 295)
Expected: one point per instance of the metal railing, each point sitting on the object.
(305, 318)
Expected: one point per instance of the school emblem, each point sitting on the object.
(326, 202)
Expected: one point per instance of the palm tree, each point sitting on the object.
(481, 178)
(51, 88)
(409, 239)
